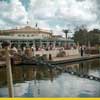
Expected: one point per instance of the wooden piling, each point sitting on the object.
(9, 73)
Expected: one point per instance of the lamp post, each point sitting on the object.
(9, 70)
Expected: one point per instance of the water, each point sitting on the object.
(40, 81)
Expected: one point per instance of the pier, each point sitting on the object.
(55, 61)
(72, 59)
(61, 60)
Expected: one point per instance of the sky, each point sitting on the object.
(53, 15)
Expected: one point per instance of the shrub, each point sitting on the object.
(61, 54)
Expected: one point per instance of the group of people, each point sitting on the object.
(24, 49)
(82, 50)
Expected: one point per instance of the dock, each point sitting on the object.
(72, 59)
(62, 60)
(55, 61)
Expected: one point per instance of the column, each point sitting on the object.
(54, 42)
(47, 44)
(40, 43)
(59, 43)
(27, 43)
(33, 43)
(19, 44)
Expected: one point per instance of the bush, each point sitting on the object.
(92, 51)
(61, 54)
(44, 57)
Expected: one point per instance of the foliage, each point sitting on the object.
(5, 33)
(83, 37)
(61, 54)
(66, 32)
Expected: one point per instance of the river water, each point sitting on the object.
(41, 81)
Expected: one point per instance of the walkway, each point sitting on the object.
(60, 60)
(69, 59)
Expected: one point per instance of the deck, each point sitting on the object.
(70, 59)
(55, 61)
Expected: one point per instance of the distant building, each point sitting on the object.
(28, 36)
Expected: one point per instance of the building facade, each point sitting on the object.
(29, 36)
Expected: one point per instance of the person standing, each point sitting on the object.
(81, 50)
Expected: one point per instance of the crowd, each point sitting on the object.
(43, 48)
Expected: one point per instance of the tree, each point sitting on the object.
(83, 37)
(66, 32)
(94, 36)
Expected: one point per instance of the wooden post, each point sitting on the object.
(9, 73)
(50, 57)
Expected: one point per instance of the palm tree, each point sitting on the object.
(66, 32)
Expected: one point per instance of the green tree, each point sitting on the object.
(83, 37)
(66, 32)
(94, 36)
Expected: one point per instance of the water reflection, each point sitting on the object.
(91, 67)
(41, 81)
(28, 73)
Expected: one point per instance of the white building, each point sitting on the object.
(28, 36)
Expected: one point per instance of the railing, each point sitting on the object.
(55, 52)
